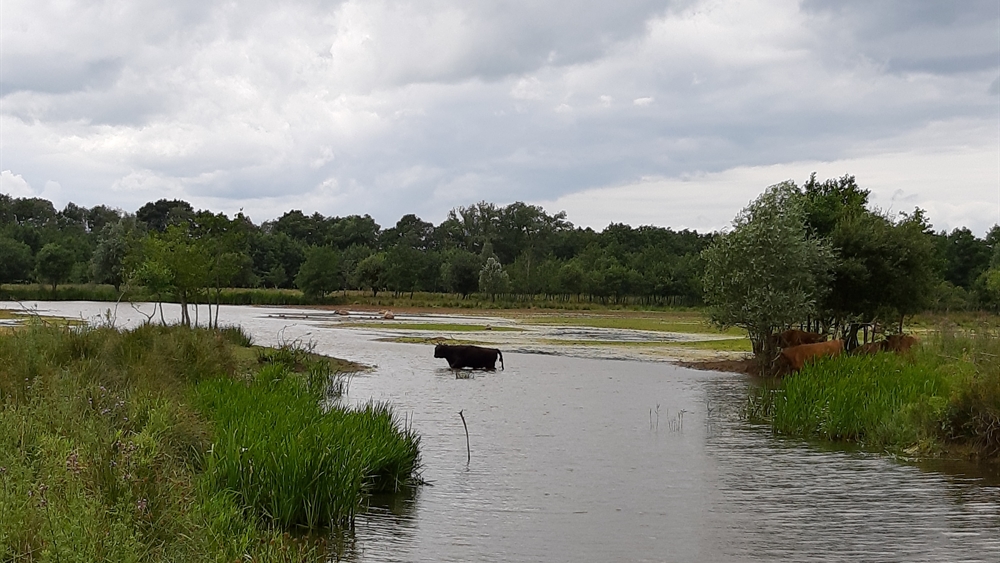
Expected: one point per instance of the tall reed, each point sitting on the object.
(293, 462)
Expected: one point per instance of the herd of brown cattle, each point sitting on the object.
(799, 347)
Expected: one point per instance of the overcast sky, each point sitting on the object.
(672, 113)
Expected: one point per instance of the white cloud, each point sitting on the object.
(957, 186)
(15, 185)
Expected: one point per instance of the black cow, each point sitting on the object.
(466, 356)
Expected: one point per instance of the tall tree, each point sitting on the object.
(53, 264)
(16, 261)
(320, 272)
(766, 273)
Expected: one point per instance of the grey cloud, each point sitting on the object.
(907, 35)
(240, 104)
(57, 73)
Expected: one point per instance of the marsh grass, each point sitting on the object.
(291, 461)
(104, 450)
(944, 395)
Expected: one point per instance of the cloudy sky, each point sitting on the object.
(673, 113)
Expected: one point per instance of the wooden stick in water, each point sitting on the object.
(468, 450)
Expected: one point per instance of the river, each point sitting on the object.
(590, 459)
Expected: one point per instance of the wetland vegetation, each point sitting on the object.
(942, 399)
(177, 444)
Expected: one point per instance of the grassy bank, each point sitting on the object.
(943, 399)
(168, 444)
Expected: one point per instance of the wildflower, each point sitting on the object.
(141, 505)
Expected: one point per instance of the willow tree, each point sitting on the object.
(766, 273)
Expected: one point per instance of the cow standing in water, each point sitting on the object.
(468, 356)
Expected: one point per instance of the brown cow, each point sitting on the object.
(795, 357)
(869, 349)
(899, 343)
(795, 337)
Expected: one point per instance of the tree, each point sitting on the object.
(320, 273)
(53, 264)
(886, 268)
(185, 261)
(766, 273)
(108, 261)
(492, 279)
(16, 261)
(965, 257)
(460, 272)
(371, 273)
(165, 213)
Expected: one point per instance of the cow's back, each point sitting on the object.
(797, 356)
(899, 343)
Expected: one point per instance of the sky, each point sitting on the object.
(644, 112)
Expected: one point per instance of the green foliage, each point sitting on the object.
(370, 273)
(108, 264)
(493, 280)
(886, 269)
(320, 273)
(158, 216)
(294, 463)
(947, 392)
(766, 273)
(16, 261)
(460, 272)
(53, 264)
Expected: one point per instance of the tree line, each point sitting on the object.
(512, 252)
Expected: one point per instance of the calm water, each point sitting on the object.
(579, 459)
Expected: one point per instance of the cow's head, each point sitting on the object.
(439, 351)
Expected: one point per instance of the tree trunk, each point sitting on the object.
(185, 317)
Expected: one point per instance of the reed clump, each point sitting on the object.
(943, 397)
(105, 449)
(295, 462)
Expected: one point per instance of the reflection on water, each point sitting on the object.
(577, 459)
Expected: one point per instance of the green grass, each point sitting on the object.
(945, 397)
(294, 463)
(108, 451)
